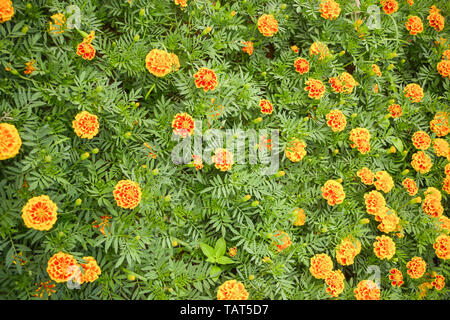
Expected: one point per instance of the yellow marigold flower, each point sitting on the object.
(376, 70)
(6, 10)
(348, 82)
(421, 140)
(223, 159)
(160, 63)
(447, 169)
(442, 247)
(438, 282)
(232, 251)
(267, 25)
(336, 120)
(183, 125)
(395, 110)
(301, 65)
(375, 202)
(361, 139)
(366, 176)
(320, 49)
(329, 9)
(389, 6)
(410, 2)
(414, 25)
(181, 3)
(435, 19)
(10, 141)
(57, 26)
(335, 282)
(40, 213)
(295, 150)
(232, 290)
(266, 106)
(441, 148)
(416, 267)
(411, 186)
(198, 162)
(439, 124)
(127, 194)
(320, 266)
(315, 88)
(433, 192)
(62, 267)
(85, 125)
(347, 250)
(281, 240)
(29, 67)
(300, 217)
(414, 92)
(443, 224)
(205, 78)
(367, 290)
(389, 221)
(446, 54)
(248, 47)
(295, 49)
(443, 68)
(396, 277)
(333, 192)
(384, 247)
(91, 270)
(446, 184)
(384, 181)
(421, 162)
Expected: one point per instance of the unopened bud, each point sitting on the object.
(174, 243)
(167, 198)
(405, 172)
(25, 29)
(392, 149)
(95, 150)
(136, 38)
(364, 221)
(336, 151)
(246, 198)
(251, 277)
(206, 31)
(258, 120)
(142, 12)
(354, 115)
(283, 6)
(415, 200)
(390, 67)
(341, 53)
(85, 155)
(155, 172)
(280, 174)
(131, 277)
(255, 203)
(339, 180)
(78, 202)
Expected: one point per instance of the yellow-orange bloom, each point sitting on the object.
(446, 184)
(85, 125)
(181, 3)
(414, 25)
(329, 9)
(367, 290)
(384, 181)
(62, 267)
(6, 10)
(433, 192)
(160, 63)
(396, 277)
(395, 110)
(375, 202)
(127, 194)
(91, 270)
(232, 290)
(443, 68)
(294, 48)
(416, 267)
(347, 250)
(315, 88)
(198, 162)
(320, 265)
(248, 47)
(432, 206)
(389, 6)
(10, 141)
(376, 70)
(40, 213)
(446, 54)
(439, 124)
(333, 192)
(438, 282)
(205, 78)
(266, 106)
(232, 251)
(442, 246)
(411, 186)
(300, 217)
(361, 139)
(389, 221)
(29, 67)
(295, 150)
(336, 120)
(421, 162)
(443, 224)
(366, 175)
(384, 247)
(183, 125)
(447, 169)
(301, 65)
(435, 19)
(441, 148)
(281, 240)
(267, 25)
(335, 282)
(320, 49)
(414, 92)
(421, 140)
(223, 159)
(57, 26)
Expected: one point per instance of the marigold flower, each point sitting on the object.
(85, 125)
(421, 162)
(348, 82)
(232, 290)
(183, 125)
(395, 110)
(414, 25)
(389, 6)
(336, 120)
(281, 240)
(414, 92)
(62, 267)
(320, 266)
(335, 282)
(160, 63)
(421, 140)
(347, 250)
(91, 270)
(333, 192)
(6, 10)
(295, 150)
(40, 213)
(329, 9)
(410, 2)
(223, 159)
(384, 247)
(438, 282)
(315, 88)
(375, 88)
(29, 67)
(198, 162)
(396, 277)
(435, 19)
(127, 194)
(85, 49)
(232, 251)
(447, 169)
(205, 78)
(301, 65)
(446, 184)
(267, 25)
(374, 202)
(446, 54)
(300, 217)
(442, 246)
(416, 267)
(433, 192)
(367, 290)
(443, 68)
(389, 221)
(266, 106)
(366, 175)
(181, 3)
(57, 26)
(320, 49)
(439, 124)
(411, 186)
(376, 70)
(361, 139)
(248, 47)
(294, 48)
(10, 141)
(384, 181)
(443, 224)
(441, 148)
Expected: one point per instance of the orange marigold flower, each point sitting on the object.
(410, 2)
(10, 141)
(85, 48)
(414, 25)
(62, 267)
(335, 282)
(301, 65)
(396, 277)
(91, 270)
(361, 139)
(40, 213)
(421, 140)
(375, 88)
(329, 9)
(85, 125)
(376, 70)
(232, 290)
(435, 19)
(315, 88)
(366, 175)
(416, 267)
(438, 282)
(441, 148)
(29, 67)
(447, 169)
(281, 240)
(248, 47)
(443, 68)
(443, 224)
(127, 194)
(223, 159)
(232, 251)
(439, 124)
(336, 120)
(295, 49)
(333, 192)
(6, 10)
(183, 125)
(389, 6)
(421, 162)
(57, 26)
(384, 181)
(395, 110)
(181, 3)
(375, 202)
(160, 63)
(300, 217)
(348, 82)
(367, 290)
(295, 150)
(414, 92)
(446, 55)
(446, 184)
(267, 25)
(205, 78)
(320, 49)
(198, 162)
(336, 84)
(442, 247)
(389, 221)
(384, 247)
(320, 266)
(347, 250)
(266, 106)
(411, 186)
(433, 192)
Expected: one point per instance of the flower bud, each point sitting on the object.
(364, 221)
(128, 134)
(251, 277)
(136, 37)
(403, 61)
(99, 89)
(246, 198)
(339, 180)
(206, 31)
(85, 155)
(404, 153)
(95, 150)
(415, 200)
(167, 198)
(405, 172)
(233, 13)
(255, 203)
(257, 120)
(324, 229)
(155, 172)
(341, 53)
(387, 116)
(48, 158)
(263, 73)
(131, 277)
(15, 72)
(174, 243)
(25, 29)
(354, 115)
(392, 150)
(390, 67)
(29, 6)
(142, 12)
(336, 151)
(114, 44)
(78, 202)
(280, 174)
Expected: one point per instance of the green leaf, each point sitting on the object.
(207, 250)
(224, 260)
(220, 247)
(215, 272)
